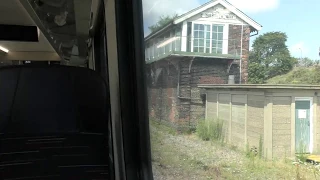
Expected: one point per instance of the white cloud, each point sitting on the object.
(299, 49)
(255, 6)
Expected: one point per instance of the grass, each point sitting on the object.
(299, 75)
(210, 130)
(186, 156)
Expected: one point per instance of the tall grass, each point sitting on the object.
(302, 152)
(210, 130)
(260, 147)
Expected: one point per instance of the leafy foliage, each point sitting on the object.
(256, 73)
(163, 20)
(299, 75)
(307, 62)
(269, 57)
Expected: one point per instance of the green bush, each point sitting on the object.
(210, 130)
(299, 75)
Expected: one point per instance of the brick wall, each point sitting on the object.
(205, 71)
(234, 46)
(181, 104)
(162, 91)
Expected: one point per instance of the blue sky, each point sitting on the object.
(297, 18)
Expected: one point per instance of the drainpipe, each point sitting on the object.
(241, 55)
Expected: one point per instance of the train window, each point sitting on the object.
(233, 88)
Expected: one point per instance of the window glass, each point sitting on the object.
(201, 34)
(202, 39)
(217, 37)
(241, 97)
(196, 34)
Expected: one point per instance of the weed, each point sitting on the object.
(301, 154)
(210, 130)
(183, 156)
(260, 147)
(202, 130)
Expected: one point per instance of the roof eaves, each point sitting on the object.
(185, 14)
(183, 17)
(159, 31)
(178, 19)
(243, 13)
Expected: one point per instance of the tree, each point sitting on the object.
(256, 73)
(163, 20)
(306, 62)
(269, 57)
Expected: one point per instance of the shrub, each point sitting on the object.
(202, 130)
(210, 130)
(260, 146)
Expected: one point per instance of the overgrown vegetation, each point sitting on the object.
(301, 154)
(299, 75)
(186, 156)
(210, 130)
(163, 20)
(260, 147)
(269, 57)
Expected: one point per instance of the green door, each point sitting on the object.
(302, 126)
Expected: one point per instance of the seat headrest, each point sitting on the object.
(52, 99)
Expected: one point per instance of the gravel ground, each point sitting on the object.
(195, 157)
(186, 157)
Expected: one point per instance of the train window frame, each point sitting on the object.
(128, 92)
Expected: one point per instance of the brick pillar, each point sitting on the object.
(245, 54)
(236, 37)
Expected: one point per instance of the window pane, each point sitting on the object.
(196, 34)
(214, 35)
(214, 50)
(201, 42)
(196, 26)
(214, 28)
(201, 34)
(207, 43)
(207, 28)
(196, 42)
(195, 49)
(214, 43)
(201, 27)
(219, 44)
(176, 100)
(207, 35)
